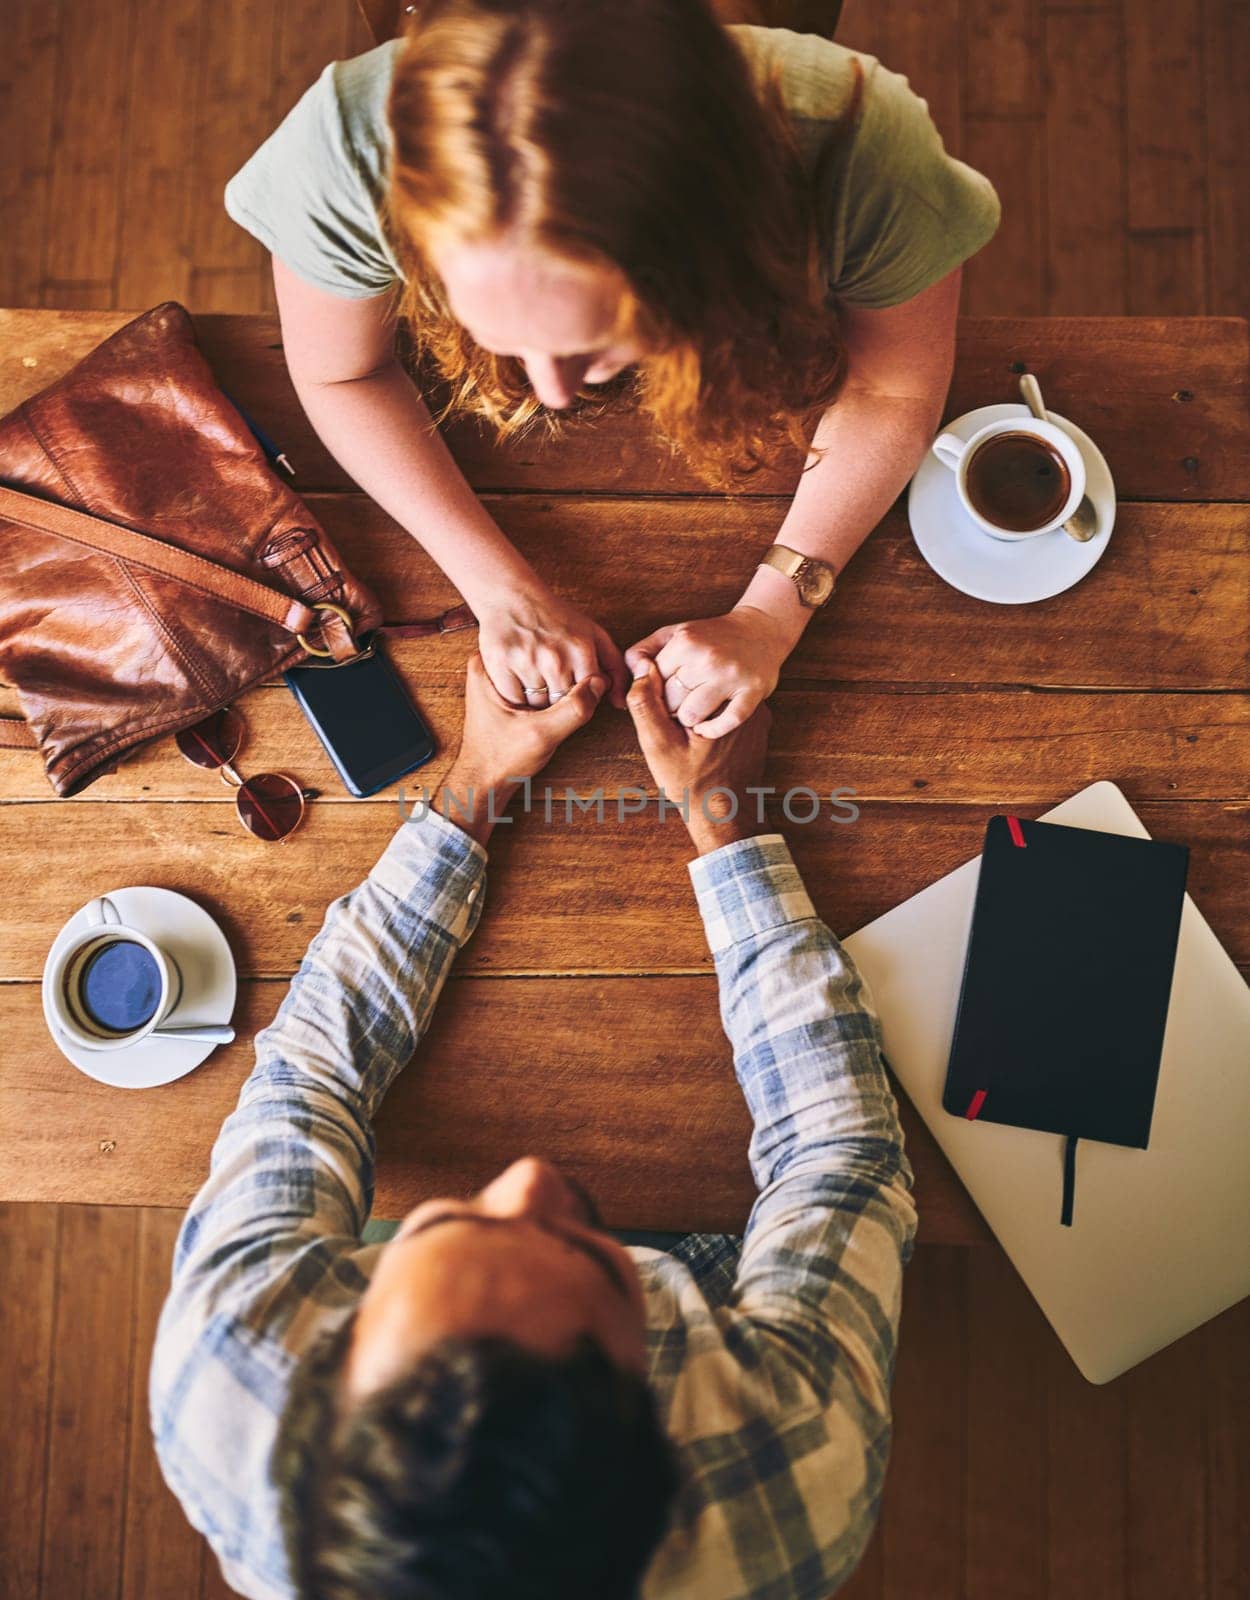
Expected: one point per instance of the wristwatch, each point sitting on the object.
(813, 579)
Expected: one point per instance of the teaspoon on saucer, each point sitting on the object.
(1082, 525)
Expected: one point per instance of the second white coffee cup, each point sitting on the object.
(956, 453)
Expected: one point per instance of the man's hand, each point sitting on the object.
(502, 744)
(686, 765)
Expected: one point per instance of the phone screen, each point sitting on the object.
(365, 718)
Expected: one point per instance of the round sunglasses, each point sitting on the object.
(271, 805)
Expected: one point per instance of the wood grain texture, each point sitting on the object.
(87, 157)
(1166, 1475)
(1002, 41)
(1226, 65)
(995, 748)
(1224, 1358)
(1009, 274)
(28, 67)
(28, 1254)
(91, 1400)
(157, 200)
(162, 1553)
(569, 895)
(1164, 118)
(1116, 376)
(922, 1508)
(625, 1082)
(923, 44)
(234, 115)
(1085, 186)
(1086, 1487)
(1005, 1531)
(1166, 269)
(1180, 572)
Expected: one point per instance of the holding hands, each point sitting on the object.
(536, 647)
(503, 744)
(716, 671)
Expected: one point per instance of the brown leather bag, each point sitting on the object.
(152, 564)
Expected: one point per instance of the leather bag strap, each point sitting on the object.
(197, 572)
(17, 734)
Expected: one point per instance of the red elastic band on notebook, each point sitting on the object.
(1016, 832)
(974, 1105)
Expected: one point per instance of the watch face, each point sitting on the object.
(815, 583)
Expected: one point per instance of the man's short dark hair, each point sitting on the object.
(484, 1471)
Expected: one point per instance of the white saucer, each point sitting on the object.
(209, 986)
(1007, 572)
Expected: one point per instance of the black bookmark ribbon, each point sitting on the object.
(1069, 1179)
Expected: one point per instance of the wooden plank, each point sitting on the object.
(867, 1582)
(161, 1551)
(1167, 273)
(28, 67)
(1180, 573)
(1085, 1483)
(1007, 277)
(307, 41)
(860, 26)
(625, 1082)
(28, 1237)
(234, 115)
(154, 262)
(923, 44)
(1225, 1362)
(922, 1508)
(1084, 222)
(1226, 63)
(1166, 1477)
(573, 895)
(1164, 114)
(88, 141)
(212, 1585)
(992, 748)
(95, 1292)
(1005, 1426)
(1002, 46)
(1117, 376)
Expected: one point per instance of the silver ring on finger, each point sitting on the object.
(540, 689)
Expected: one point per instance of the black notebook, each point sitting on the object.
(1066, 984)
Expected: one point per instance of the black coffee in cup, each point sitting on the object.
(119, 987)
(1017, 481)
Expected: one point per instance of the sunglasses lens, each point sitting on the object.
(270, 805)
(214, 741)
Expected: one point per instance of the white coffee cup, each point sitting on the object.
(105, 927)
(956, 453)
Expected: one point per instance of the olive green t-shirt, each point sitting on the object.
(902, 212)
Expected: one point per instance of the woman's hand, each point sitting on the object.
(536, 646)
(718, 670)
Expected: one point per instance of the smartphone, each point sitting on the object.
(365, 718)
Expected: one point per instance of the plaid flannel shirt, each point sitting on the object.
(771, 1358)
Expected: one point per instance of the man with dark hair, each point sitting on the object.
(502, 1400)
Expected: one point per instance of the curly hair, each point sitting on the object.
(631, 137)
(484, 1471)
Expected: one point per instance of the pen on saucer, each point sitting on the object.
(272, 450)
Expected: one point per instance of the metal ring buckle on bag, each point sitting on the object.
(327, 605)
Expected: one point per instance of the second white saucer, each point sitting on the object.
(1004, 572)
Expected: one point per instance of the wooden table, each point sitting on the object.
(581, 1022)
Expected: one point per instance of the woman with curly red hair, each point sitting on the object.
(753, 235)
